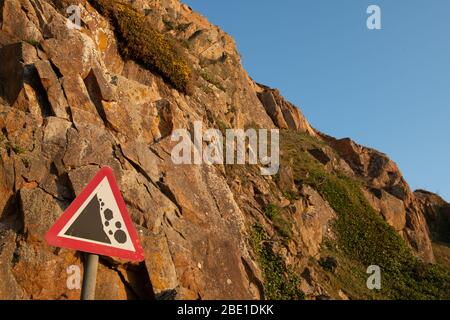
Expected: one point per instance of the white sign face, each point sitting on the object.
(98, 220)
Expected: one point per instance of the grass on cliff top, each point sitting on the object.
(280, 283)
(139, 41)
(362, 234)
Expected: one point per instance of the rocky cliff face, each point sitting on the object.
(388, 193)
(73, 100)
(437, 214)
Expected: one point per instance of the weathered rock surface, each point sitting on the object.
(69, 104)
(437, 214)
(314, 221)
(283, 114)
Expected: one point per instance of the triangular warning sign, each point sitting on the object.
(97, 222)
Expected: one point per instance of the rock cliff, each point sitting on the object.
(73, 100)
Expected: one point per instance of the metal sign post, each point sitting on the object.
(89, 277)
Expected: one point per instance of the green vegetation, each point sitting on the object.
(171, 25)
(139, 41)
(365, 236)
(209, 78)
(350, 276)
(10, 146)
(362, 234)
(280, 222)
(291, 196)
(271, 211)
(15, 148)
(442, 254)
(294, 153)
(33, 42)
(280, 283)
(329, 264)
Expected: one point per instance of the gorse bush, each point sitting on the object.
(139, 41)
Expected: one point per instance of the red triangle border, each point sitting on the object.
(54, 240)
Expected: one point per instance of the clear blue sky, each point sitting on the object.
(388, 89)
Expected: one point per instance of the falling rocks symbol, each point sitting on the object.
(89, 224)
(97, 222)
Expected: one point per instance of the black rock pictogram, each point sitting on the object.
(108, 214)
(120, 236)
(88, 224)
